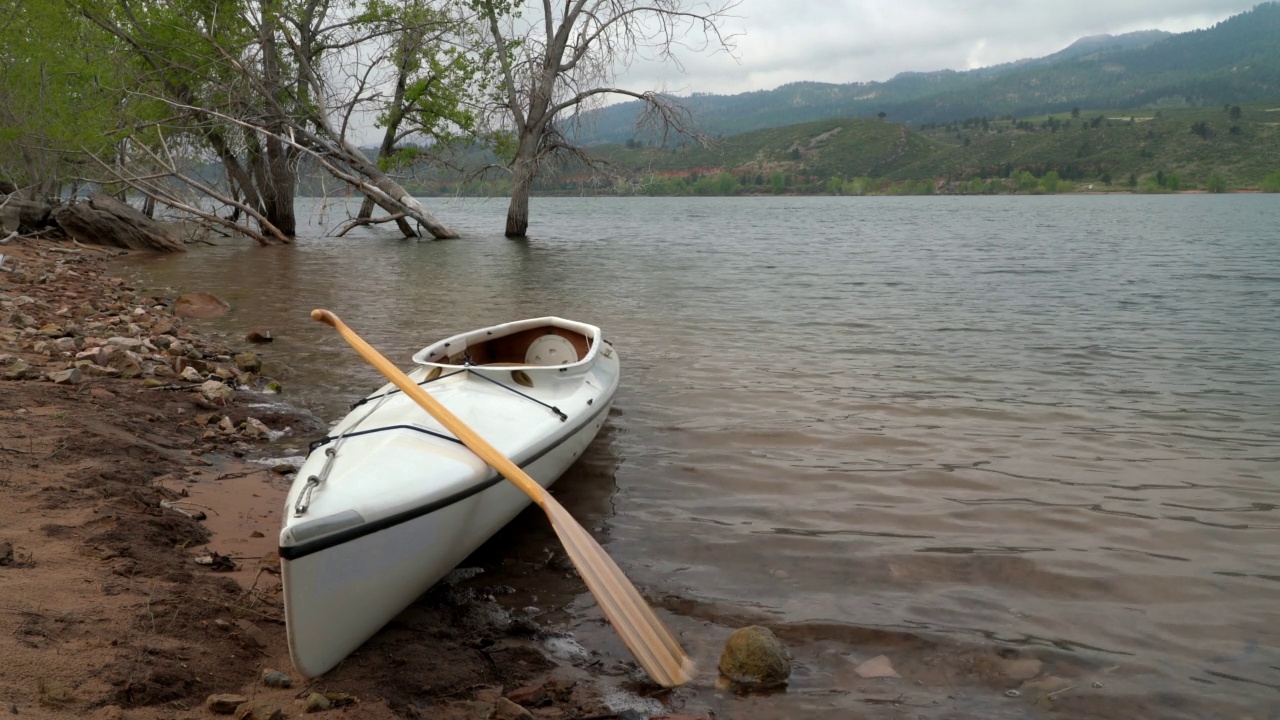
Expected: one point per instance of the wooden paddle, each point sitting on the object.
(641, 631)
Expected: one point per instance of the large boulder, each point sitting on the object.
(104, 220)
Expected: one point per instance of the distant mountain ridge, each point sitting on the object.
(1236, 61)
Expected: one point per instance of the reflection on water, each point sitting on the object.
(1014, 444)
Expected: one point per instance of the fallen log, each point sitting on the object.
(104, 220)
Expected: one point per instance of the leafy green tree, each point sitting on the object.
(1271, 183)
(434, 83)
(779, 182)
(261, 86)
(1026, 182)
(1216, 183)
(726, 184)
(1050, 181)
(59, 95)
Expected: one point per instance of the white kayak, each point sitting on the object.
(389, 501)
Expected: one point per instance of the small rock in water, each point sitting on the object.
(283, 468)
(275, 678)
(248, 362)
(877, 667)
(259, 336)
(754, 655)
(199, 305)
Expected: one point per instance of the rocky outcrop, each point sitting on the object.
(104, 220)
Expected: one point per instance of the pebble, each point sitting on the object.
(275, 678)
(258, 711)
(316, 702)
(529, 695)
(224, 704)
(507, 710)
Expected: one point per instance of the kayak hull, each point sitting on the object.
(364, 548)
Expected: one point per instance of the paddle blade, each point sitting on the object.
(641, 631)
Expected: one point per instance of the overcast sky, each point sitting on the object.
(841, 41)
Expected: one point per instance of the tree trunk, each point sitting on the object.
(278, 178)
(389, 136)
(276, 181)
(366, 212)
(521, 184)
(401, 201)
(283, 177)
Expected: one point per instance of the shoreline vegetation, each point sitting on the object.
(137, 536)
(1232, 148)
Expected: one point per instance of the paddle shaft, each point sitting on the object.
(460, 430)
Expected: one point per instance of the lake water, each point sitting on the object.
(993, 438)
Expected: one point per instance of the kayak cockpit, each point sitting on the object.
(540, 342)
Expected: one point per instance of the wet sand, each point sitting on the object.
(138, 574)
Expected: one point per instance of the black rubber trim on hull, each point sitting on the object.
(293, 552)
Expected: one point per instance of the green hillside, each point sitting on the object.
(1232, 147)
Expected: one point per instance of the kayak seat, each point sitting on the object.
(551, 350)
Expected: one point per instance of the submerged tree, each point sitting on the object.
(563, 58)
(433, 84)
(265, 83)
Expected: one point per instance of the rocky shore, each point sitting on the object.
(137, 541)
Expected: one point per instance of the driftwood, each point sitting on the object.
(103, 220)
(357, 222)
(26, 216)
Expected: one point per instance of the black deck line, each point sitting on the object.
(293, 552)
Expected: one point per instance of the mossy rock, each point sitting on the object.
(754, 655)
